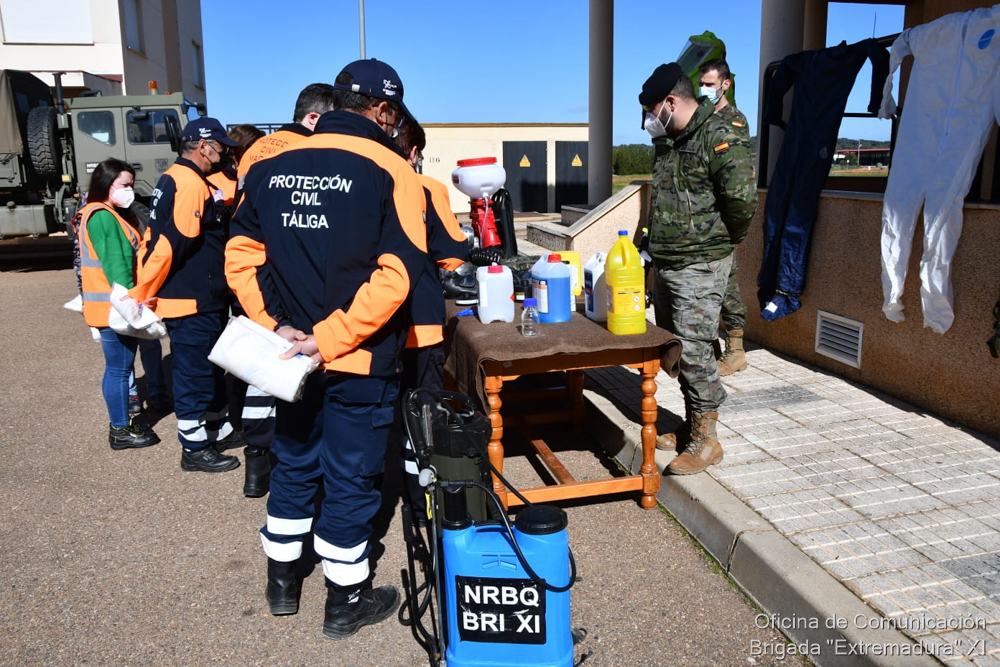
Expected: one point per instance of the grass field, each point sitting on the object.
(619, 182)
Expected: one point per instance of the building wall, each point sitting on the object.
(101, 54)
(447, 143)
(101, 49)
(952, 374)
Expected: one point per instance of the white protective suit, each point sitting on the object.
(951, 102)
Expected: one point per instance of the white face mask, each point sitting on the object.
(123, 197)
(713, 94)
(654, 126)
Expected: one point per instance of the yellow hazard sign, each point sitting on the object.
(524, 161)
(577, 162)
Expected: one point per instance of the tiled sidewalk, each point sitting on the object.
(900, 506)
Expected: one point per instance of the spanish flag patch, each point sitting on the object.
(724, 146)
(737, 123)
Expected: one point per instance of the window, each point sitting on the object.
(149, 126)
(99, 125)
(196, 74)
(133, 25)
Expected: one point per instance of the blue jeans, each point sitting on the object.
(151, 353)
(119, 355)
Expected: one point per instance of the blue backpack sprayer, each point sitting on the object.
(501, 591)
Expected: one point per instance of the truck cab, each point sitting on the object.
(50, 147)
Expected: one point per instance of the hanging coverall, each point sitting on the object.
(823, 80)
(950, 107)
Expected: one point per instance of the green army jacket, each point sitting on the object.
(704, 191)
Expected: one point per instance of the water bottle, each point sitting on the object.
(529, 318)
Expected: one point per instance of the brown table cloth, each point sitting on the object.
(469, 343)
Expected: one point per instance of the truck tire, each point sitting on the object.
(43, 142)
(140, 216)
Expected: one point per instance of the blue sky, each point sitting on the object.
(463, 61)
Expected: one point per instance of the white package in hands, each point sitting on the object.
(130, 318)
(250, 352)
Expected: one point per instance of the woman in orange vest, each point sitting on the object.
(108, 246)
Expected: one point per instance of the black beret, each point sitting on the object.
(660, 83)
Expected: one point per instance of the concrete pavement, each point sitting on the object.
(120, 558)
(867, 529)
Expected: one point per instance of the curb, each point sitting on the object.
(800, 598)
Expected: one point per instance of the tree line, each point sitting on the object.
(637, 159)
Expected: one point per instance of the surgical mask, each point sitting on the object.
(713, 94)
(654, 126)
(123, 197)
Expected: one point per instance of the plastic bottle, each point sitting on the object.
(550, 280)
(572, 258)
(496, 294)
(595, 288)
(529, 318)
(626, 287)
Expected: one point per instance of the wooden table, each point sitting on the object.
(482, 357)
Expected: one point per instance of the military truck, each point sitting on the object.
(49, 148)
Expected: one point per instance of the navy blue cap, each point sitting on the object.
(208, 129)
(375, 78)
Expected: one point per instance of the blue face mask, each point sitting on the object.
(713, 94)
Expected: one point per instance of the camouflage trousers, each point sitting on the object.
(734, 311)
(687, 303)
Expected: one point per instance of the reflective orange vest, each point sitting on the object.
(96, 289)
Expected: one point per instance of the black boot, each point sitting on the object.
(207, 460)
(258, 478)
(131, 436)
(231, 441)
(283, 588)
(348, 609)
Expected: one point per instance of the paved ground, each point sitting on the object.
(898, 505)
(119, 558)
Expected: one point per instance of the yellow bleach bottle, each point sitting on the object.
(626, 287)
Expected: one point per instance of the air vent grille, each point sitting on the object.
(839, 338)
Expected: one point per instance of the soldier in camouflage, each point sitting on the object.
(703, 199)
(714, 83)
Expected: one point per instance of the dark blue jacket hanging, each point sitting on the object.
(823, 80)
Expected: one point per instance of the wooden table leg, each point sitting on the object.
(651, 479)
(493, 386)
(575, 382)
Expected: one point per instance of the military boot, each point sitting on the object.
(676, 440)
(283, 588)
(734, 359)
(258, 471)
(703, 450)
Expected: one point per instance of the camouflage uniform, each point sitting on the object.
(734, 311)
(703, 199)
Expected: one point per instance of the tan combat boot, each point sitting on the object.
(734, 359)
(704, 449)
(677, 439)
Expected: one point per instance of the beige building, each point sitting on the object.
(115, 46)
(546, 163)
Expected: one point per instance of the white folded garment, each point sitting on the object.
(130, 318)
(250, 352)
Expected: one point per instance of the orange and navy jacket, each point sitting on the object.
(447, 249)
(225, 182)
(96, 289)
(269, 146)
(329, 238)
(181, 260)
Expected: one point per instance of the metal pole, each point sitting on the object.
(599, 134)
(361, 25)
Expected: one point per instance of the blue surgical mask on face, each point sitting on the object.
(713, 94)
